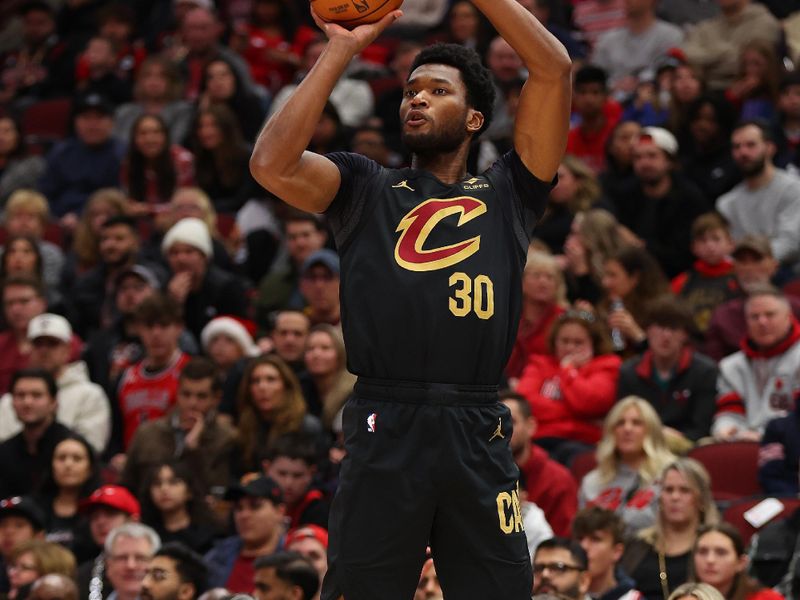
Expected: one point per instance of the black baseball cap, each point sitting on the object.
(23, 506)
(260, 487)
(93, 101)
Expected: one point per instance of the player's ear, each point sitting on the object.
(474, 120)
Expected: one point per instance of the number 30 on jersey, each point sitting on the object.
(471, 295)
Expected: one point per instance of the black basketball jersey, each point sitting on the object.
(431, 273)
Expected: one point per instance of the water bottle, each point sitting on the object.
(617, 339)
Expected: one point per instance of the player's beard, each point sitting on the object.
(447, 138)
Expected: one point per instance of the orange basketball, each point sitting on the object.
(350, 13)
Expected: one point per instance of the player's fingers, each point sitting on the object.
(320, 23)
(388, 19)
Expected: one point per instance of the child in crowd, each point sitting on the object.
(711, 280)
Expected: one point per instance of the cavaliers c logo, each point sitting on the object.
(417, 225)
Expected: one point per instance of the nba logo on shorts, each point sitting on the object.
(361, 5)
(371, 422)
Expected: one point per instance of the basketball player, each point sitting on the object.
(432, 259)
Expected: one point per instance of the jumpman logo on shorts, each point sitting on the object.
(498, 433)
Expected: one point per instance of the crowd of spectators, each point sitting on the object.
(172, 368)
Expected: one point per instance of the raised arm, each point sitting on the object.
(280, 161)
(542, 122)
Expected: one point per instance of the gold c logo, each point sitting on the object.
(417, 225)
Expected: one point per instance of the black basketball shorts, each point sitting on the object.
(427, 464)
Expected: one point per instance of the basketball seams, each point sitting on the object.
(356, 19)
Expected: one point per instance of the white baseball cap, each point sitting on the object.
(50, 325)
(661, 138)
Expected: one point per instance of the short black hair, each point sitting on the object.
(199, 368)
(32, 373)
(294, 446)
(295, 215)
(125, 220)
(28, 281)
(761, 124)
(591, 74)
(476, 77)
(293, 568)
(570, 545)
(190, 566)
(669, 311)
(522, 402)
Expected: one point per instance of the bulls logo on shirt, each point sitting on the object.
(416, 226)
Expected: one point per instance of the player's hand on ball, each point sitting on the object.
(359, 37)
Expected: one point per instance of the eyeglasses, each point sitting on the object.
(555, 567)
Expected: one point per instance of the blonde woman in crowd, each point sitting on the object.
(630, 456)
(695, 591)
(660, 556)
(326, 362)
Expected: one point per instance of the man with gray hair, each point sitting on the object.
(760, 382)
(129, 549)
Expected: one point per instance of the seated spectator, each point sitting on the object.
(18, 169)
(764, 186)
(713, 45)
(270, 404)
(228, 343)
(21, 258)
(25, 458)
(659, 558)
(660, 208)
(721, 560)
(330, 134)
(220, 85)
(174, 505)
(27, 213)
(311, 542)
(593, 18)
(779, 456)
(561, 568)
(110, 351)
(625, 51)
(587, 140)
(91, 297)
(304, 234)
(128, 550)
(42, 66)
(758, 383)
(189, 433)
(786, 127)
(548, 484)
(319, 285)
(577, 191)
(617, 177)
(258, 512)
(678, 382)
(147, 390)
(543, 300)
(711, 280)
(21, 520)
(107, 508)
(85, 252)
(221, 159)
(82, 404)
(289, 336)
(272, 41)
(33, 559)
(118, 22)
(83, 163)
(52, 587)
(754, 93)
(291, 462)
(175, 571)
(154, 167)
(199, 286)
(287, 574)
(99, 73)
(571, 388)
(631, 279)
(156, 91)
(352, 99)
(73, 475)
(630, 457)
(754, 268)
(601, 533)
(595, 236)
(685, 87)
(329, 383)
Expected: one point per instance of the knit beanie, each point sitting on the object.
(191, 231)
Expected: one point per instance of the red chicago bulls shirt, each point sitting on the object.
(431, 273)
